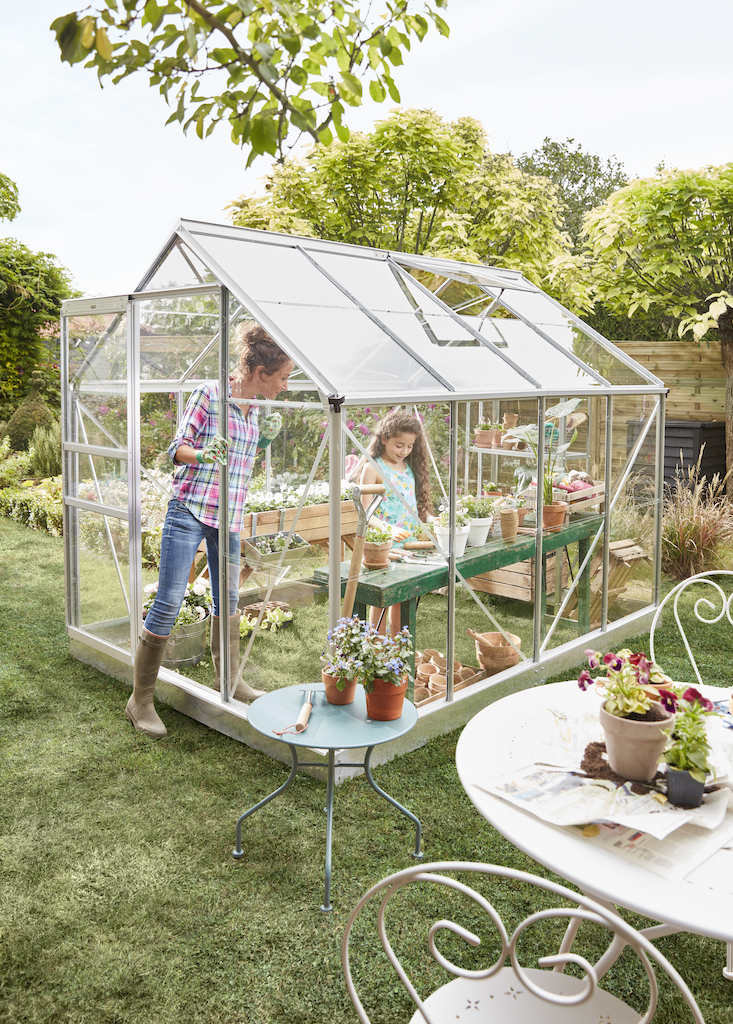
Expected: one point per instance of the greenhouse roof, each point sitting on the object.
(371, 324)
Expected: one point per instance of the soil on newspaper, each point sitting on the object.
(595, 766)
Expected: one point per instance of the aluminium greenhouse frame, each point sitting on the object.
(413, 335)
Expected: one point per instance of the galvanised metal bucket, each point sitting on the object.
(186, 644)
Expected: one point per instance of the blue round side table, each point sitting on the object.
(332, 727)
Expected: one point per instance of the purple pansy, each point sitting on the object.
(692, 696)
(594, 658)
(585, 679)
(668, 700)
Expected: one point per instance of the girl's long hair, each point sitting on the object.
(400, 422)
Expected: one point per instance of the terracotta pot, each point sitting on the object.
(633, 748)
(336, 696)
(375, 555)
(509, 523)
(429, 653)
(522, 512)
(424, 672)
(483, 438)
(384, 703)
(498, 434)
(418, 658)
(437, 684)
(682, 789)
(421, 693)
(509, 419)
(508, 445)
(494, 654)
(440, 661)
(466, 672)
(553, 516)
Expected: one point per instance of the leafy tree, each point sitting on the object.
(416, 184)
(583, 180)
(273, 64)
(9, 205)
(665, 245)
(32, 287)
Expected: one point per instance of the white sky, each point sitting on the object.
(102, 181)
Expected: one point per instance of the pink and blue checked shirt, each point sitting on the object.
(198, 486)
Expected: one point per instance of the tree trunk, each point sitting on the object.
(725, 332)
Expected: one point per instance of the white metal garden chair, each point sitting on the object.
(708, 609)
(514, 994)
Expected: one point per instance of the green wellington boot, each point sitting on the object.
(239, 689)
(140, 709)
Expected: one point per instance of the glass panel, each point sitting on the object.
(465, 367)
(272, 273)
(101, 479)
(103, 575)
(174, 337)
(97, 348)
(548, 366)
(600, 358)
(371, 281)
(356, 355)
(180, 269)
(157, 427)
(534, 306)
(99, 419)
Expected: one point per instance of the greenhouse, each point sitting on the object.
(514, 393)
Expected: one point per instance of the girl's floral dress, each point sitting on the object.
(391, 510)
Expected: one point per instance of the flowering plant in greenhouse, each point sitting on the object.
(196, 603)
(630, 683)
(388, 656)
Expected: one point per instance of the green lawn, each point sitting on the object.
(120, 899)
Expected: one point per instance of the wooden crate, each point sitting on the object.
(312, 522)
(517, 580)
(623, 558)
(593, 494)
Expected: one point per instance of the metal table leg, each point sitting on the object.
(391, 800)
(329, 831)
(238, 852)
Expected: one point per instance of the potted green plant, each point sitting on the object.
(634, 721)
(346, 661)
(388, 676)
(480, 512)
(687, 751)
(187, 641)
(553, 512)
(441, 527)
(483, 434)
(377, 545)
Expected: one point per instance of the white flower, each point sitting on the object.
(200, 587)
(152, 588)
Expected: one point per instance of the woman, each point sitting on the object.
(193, 512)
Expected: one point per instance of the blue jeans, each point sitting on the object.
(182, 534)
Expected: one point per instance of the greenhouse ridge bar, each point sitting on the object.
(458, 343)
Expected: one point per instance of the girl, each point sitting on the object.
(193, 513)
(398, 447)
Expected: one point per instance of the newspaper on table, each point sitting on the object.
(670, 841)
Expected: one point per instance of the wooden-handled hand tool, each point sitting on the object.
(305, 712)
(358, 549)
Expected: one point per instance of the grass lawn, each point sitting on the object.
(120, 898)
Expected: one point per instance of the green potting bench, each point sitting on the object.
(404, 582)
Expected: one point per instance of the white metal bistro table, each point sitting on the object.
(332, 727)
(502, 735)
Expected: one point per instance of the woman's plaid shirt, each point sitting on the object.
(198, 486)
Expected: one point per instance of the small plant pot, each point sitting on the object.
(633, 748)
(437, 684)
(498, 435)
(682, 789)
(521, 513)
(384, 703)
(418, 658)
(424, 673)
(466, 672)
(508, 445)
(336, 696)
(421, 693)
(478, 531)
(509, 523)
(494, 654)
(429, 653)
(483, 438)
(509, 419)
(375, 555)
(439, 661)
(442, 533)
(553, 516)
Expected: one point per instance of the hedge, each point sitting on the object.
(36, 509)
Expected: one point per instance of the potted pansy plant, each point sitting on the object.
(687, 751)
(632, 717)
(386, 684)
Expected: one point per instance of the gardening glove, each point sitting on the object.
(215, 451)
(399, 533)
(270, 427)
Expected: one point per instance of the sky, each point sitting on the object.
(103, 181)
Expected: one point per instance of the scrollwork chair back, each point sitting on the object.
(704, 609)
(513, 994)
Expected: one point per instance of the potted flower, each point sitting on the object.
(497, 432)
(632, 717)
(480, 514)
(483, 434)
(346, 661)
(441, 526)
(377, 545)
(386, 684)
(687, 751)
(187, 641)
(553, 512)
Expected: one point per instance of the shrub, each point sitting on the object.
(34, 508)
(697, 524)
(14, 466)
(46, 444)
(31, 413)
